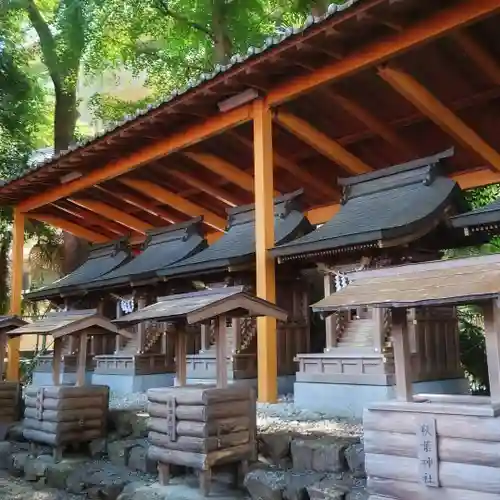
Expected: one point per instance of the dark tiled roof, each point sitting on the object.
(484, 218)
(102, 260)
(396, 202)
(237, 246)
(235, 61)
(163, 247)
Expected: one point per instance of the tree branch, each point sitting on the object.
(162, 6)
(47, 42)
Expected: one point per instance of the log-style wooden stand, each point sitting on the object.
(62, 415)
(202, 426)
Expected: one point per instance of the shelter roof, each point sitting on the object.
(202, 306)
(486, 218)
(454, 281)
(237, 245)
(385, 208)
(9, 322)
(163, 247)
(59, 324)
(102, 260)
(372, 84)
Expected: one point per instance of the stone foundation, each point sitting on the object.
(285, 383)
(122, 385)
(349, 400)
(43, 378)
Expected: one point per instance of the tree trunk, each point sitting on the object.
(75, 250)
(319, 7)
(223, 45)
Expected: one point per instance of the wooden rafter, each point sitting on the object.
(318, 187)
(478, 54)
(143, 204)
(435, 110)
(69, 227)
(321, 142)
(180, 204)
(225, 169)
(91, 218)
(377, 126)
(217, 193)
(113, 214)
(113, 169)
(424, 31)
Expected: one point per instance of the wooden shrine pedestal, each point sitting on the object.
(431, 446)
(202, 427)
(64, 416)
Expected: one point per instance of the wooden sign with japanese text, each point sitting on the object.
(171, 420)
(428, 465)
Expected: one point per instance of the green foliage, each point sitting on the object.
(473, 349)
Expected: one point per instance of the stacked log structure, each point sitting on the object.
(467, 462)
(60, 416)
(10, 402)
(201, 427)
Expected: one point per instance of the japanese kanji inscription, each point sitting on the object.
(427, 452)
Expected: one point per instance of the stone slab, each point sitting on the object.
(121, 385)
(349, 400)
(285, 382)
(43, 378)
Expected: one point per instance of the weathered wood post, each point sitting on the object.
(402, 360)
(180, 357)
(492, 338)
(221, 346)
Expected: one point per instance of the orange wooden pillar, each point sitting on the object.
(264, 240)
(16, 290)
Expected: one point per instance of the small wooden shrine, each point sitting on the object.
(231, 261)
(10, 392)
(64, 415)
(69, 293)
(147, 359)
(116, 282)
(392, 216)
(203, 426)
(431, 447)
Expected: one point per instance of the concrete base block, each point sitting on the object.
(44, 378)
(285, 383)
(122, 385)
(349, 400)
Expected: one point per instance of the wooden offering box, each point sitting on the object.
(202, 427)
(59, 416)
(64, 415)
(10, 392)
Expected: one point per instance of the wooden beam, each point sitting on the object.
(492, 339)
(182, 139)
(376, 125)
(91, 218)
(476, 178)
(264, 241)
(165, 196)
(424, 31)
(219, 194)
(16, 291)
(69, 227)
(320, 215)
(321, 143)
(225, 169)
(478, 54)
(143, 204)
(113, 214)
(318, 187)
(435, 110)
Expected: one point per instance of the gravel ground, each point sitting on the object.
(12, 488)
(280, 417)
